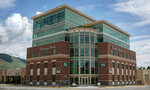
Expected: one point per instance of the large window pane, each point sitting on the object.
(86, 39)
(87, 67)
(86, 51)
(92, 52)
(76, 51)
(82, 66)
(71, 52)
(76, 39)
(92, 39)
(81, 39)
(81, 51)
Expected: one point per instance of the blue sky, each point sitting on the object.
(133, 16)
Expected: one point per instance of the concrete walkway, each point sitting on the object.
(10, 86)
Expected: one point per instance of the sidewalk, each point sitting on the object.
(48, 87)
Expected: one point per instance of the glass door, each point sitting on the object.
(84, 81)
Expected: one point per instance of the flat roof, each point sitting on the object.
(60, 7)
(109, 24)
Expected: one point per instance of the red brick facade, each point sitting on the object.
(63, 52)
(105, 56)
(62, 55)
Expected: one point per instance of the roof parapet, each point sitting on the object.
(60, 7)
(109, 24)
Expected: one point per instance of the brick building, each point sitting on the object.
(70, 47)
(13, 76)
(143, 77)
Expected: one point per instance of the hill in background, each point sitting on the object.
(10, 62)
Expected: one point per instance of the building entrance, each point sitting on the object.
(13, 79)
(84, 81)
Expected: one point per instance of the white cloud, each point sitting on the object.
(140, 8)
(15, 35)
(7, 3)
(140, 37)
(141, 45)
(38, 12)
(87, 7)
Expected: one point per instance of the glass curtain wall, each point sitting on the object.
(47, 27)
(83, 55)
(109, 34)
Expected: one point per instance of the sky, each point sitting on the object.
(133, 16)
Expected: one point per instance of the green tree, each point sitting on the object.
(148, 67)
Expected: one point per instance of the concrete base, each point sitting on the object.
(48, 83)
(117, 83)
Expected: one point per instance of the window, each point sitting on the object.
(130, 78)
(54, 51)
(122, 55)
(113, 64)
(87, 67)
(38, 78)
(122, 66)
(129, 56)
(65, 64)
(53, 78)
(45, 78)
(92, 52)
(31, 66)
(92, 39)
(96, 52)
(103, 64)
(3, 79)
(67, 38)
(45, 65)
(117, 65)
(84, 66)
(81, 39)
(117, 54)
(32, 55)
(38, 65)
(53, 64)
(134, 78)
(71, 39)
(76, 80)
(81, 51)
(113, 77)
(71, 52)
(132, 57)
(130, 67)
(76, 52)
(93, 80)
(101, 40)
(126, 66)
(39, 54)
(86, 39)
(71, 80)
(122, 77)
(133, 67)
(46, 52)
(76, 39)
(126, 56)
(31, 78)
(118, 78)
(75, 71)
(127, 77)
(96, 70)
(86, 51)
(112, 52)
